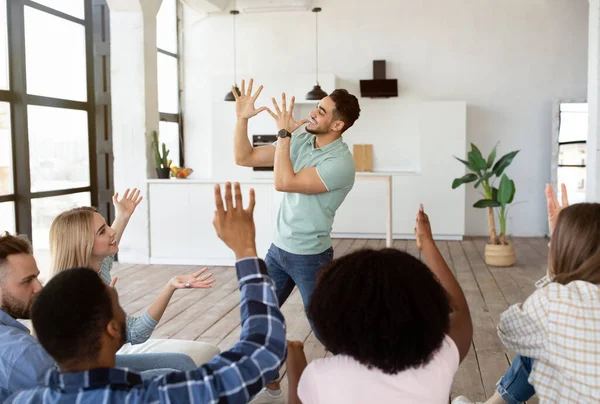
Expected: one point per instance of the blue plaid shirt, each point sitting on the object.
(23, 362)
(234, 376)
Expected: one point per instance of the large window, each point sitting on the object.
(572, 139)
(52, 111)
(170, 130)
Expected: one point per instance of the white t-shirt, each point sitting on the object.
(342, 379)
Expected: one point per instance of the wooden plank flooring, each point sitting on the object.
(212, 315)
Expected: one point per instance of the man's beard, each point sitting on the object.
(315, 131)
(14, 307)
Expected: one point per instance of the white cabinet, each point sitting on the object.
(182, 212)
(364, 211)
(181, 222)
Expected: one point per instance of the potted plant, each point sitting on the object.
(162, 164)
(499, 251)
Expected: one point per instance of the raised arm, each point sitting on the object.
(192, 281)
(238, 374)
(305, 181)
(140, 328)
(124, 209)
(245, 154)
(554, 207)
(256, 358)
(296, 363)
(461, 327)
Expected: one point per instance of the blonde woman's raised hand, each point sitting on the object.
(127, 204)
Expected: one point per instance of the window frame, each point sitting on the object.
(584, 142)
(555, 167)
(175, 117)
(97, 106)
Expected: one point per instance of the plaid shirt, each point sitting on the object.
(234, 376)
(559, 327)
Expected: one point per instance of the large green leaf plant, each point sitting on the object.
(485, 172)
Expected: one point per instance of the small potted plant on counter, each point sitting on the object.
(163, 165)
(499, 251)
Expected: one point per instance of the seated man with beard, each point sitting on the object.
(23, 361)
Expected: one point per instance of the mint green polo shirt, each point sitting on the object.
(304, 221)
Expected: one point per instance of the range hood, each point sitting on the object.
(379, 87)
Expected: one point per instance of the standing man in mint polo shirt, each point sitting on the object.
(315, 170)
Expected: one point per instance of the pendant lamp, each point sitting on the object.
(316, 93)
(229, 96)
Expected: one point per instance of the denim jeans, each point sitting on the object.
(514, 386)
(150, 365)
(288, 270)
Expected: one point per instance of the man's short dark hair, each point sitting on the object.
(384, 308)
(346, 107)
(70, 314)
(12, 245)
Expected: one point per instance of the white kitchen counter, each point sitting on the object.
(381, 205)
(208, 181)
(385, 204)
(266, 177)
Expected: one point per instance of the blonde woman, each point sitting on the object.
(81, 237)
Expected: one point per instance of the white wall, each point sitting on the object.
(509, 60)
(593, 168)
(134, 111)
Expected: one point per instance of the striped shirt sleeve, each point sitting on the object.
(140, 328)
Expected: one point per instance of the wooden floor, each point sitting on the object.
(213, 316)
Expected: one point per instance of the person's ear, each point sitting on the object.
(113, 329)
(337, 126)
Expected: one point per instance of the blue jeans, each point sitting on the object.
(514, 386)
(288, 270)
(150, 365)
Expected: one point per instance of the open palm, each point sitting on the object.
(195, 281)
(284, 117)
(127, 204)
(244, 103)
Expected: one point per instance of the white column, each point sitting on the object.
(134, 97)
(149, 10)
(593, 143)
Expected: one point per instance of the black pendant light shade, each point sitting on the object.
(229, 96)
(316, 93)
